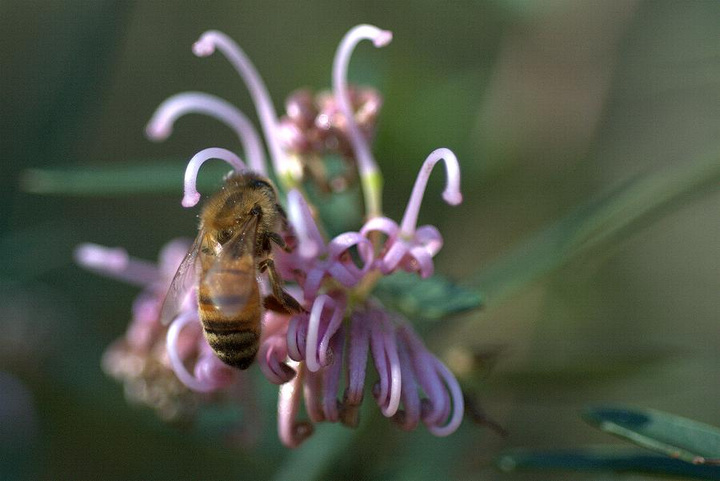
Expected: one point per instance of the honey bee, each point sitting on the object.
(234, 244)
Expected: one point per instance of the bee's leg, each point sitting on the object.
(287, 231)
(277, 239)
(272, 303)
(283, 218)
(276, 283)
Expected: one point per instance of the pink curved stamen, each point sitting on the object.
(358, 345)
(313, 393)
(192, 196)
(206, 46)
(458, 403)
(426, 375)
(395, 373)
(271, 359)
(333, 326)
(291, 431)
(116, 263)
(297, 337)
(176, 362)
(331, 379)
(385, 353)
(409, 417)
(273, 352)
(451, 194)
(377, 347)
(161, 124)
(310, 241)
(313, 335)
(380, 38)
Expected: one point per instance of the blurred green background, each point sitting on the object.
(548, 105)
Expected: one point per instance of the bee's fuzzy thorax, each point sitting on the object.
(231, 205)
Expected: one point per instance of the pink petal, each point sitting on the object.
(430, 238)
(291, 431)
(421, 262)
(394, 256)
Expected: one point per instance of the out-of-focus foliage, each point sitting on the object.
(585, 131)
(605, 459)
(691, 449)
(674, 436)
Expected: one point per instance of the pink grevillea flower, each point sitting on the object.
(140, 359)
(320, 356)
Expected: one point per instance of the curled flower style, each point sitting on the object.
(160, 126)
(408, 246)
(319, 355)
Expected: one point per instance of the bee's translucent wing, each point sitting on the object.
(183, 282)
(230, 283)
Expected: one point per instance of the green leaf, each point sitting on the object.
(672, 435)
(147, 177)
(432, 298)
(604, 458)
(601, 224)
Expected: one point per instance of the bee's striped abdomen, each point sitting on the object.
(229, 306)
(236, 347)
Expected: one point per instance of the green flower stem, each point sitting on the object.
(601, 224)
(372, 184)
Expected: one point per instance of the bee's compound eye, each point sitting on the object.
(224, 235)
(259, 184)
